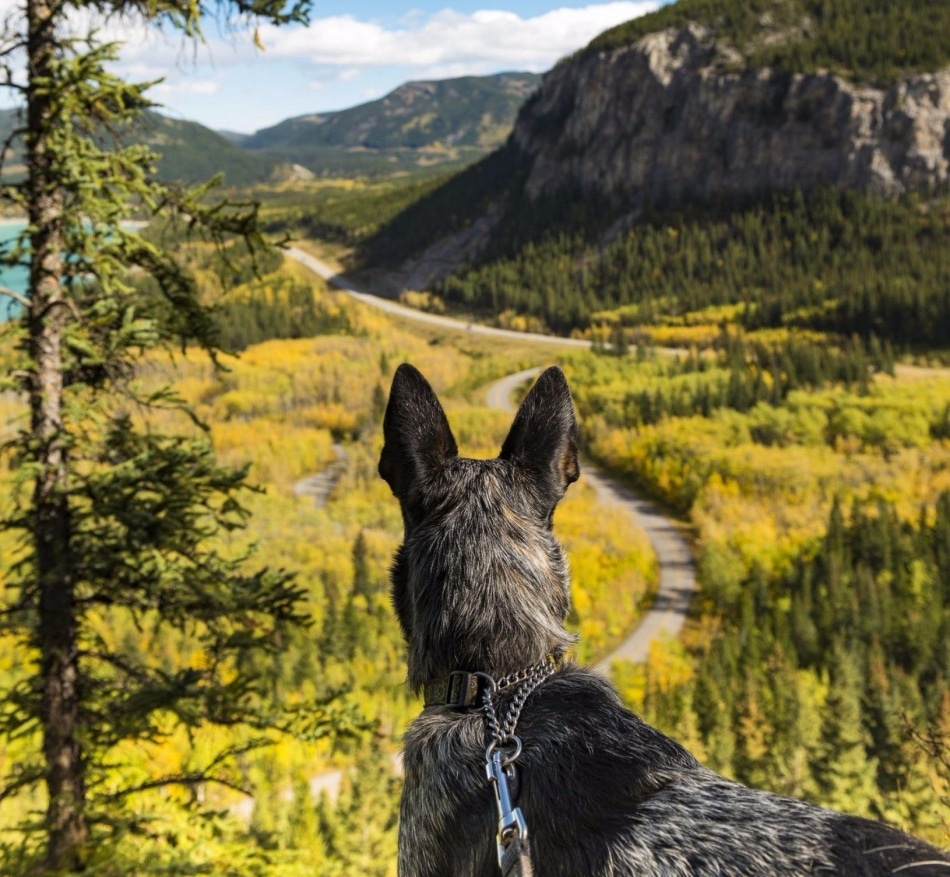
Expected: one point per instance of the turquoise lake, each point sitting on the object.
(12, 278)
(15, 279)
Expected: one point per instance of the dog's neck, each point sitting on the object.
(501, 617)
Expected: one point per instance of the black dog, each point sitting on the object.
(480, 586)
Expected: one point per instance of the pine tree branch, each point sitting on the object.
(23, 781)
(19, 299)
(197, 777)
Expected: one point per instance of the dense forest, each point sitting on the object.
(825, 678)
(869, 40)
(816, 663)
(832, 261)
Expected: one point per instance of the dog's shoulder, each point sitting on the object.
(862, 846)
(577, 722)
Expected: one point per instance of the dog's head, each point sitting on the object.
(480, 582)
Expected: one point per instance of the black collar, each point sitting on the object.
(465, 689)
(462, 690)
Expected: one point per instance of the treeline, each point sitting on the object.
(276, 307)
(836, 261)
(345, 212)
(871, 40)
(447, 208)
(821, 677)
(746, 373)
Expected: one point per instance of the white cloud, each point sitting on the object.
(186, 86)
(485, 37)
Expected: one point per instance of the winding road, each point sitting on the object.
(334, 278)
(321, 485)
(668, 613)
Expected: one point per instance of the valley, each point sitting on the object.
(729, 225)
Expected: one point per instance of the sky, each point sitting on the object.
(356, 51)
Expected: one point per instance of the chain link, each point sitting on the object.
(502, 732)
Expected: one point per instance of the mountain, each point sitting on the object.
(190, 152)
(418, 124)
(235, 137)
(677, 116)
(704, 101)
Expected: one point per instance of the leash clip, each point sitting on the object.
(511, 824)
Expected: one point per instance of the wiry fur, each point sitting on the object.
(480, 583)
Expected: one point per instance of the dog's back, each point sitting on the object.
(480, 585)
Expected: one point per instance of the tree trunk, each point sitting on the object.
(66, 827)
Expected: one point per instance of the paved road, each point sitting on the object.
(334, 278)
(319, 486)
(677, 570)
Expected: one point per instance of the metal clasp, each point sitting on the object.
(511, 823)
(463, 688)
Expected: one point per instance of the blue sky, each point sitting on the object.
(357, 51)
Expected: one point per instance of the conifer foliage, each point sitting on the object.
(114, 520)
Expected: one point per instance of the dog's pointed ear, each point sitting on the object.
(417, 436)
(543, 438)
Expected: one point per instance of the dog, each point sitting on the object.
(481, 589)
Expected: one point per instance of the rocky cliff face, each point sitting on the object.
(673, 117)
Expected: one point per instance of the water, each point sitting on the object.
(16, 278)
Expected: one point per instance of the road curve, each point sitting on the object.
(677, 569)
(320, 486)
(334, 278)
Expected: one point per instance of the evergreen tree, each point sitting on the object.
(304, 826)
(116, 520)
(363, 583)
(844, 772)
(359, 831)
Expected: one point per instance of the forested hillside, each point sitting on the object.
(420, 124)
(190, 152)
(841, 262)
(871, 40)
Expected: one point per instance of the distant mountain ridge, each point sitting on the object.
(418, 124)
(190, 152)
(193, 153)
(423, 124)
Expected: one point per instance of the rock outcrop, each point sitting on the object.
(674, 117)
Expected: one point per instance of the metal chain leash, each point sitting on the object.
(514, 853)
(503, 732)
